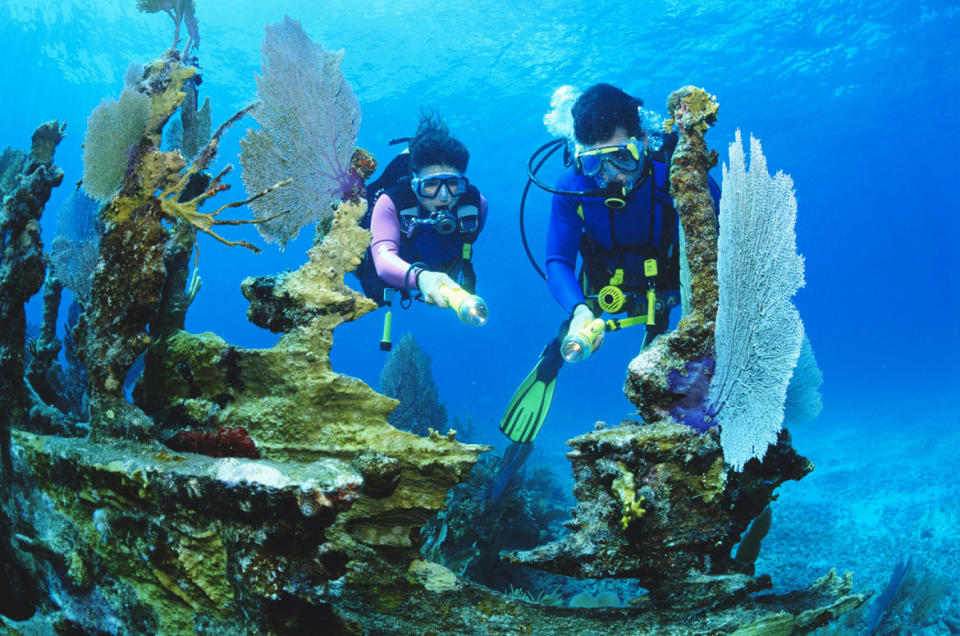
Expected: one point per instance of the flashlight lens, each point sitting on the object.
(572, 351)
(473, 311)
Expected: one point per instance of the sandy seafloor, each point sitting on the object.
(885, 488)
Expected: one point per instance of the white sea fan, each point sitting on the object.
(758, 330)
(804, 402)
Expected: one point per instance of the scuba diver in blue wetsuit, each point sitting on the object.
(612, 207)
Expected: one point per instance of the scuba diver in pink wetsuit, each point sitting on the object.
(425, 216)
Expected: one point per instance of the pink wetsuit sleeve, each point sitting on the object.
(385, 245)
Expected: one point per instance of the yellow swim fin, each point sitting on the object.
(530, 404)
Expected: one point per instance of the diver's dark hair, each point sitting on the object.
(433, 145)
(600, 109)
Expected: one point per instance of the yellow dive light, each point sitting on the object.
(578, 346)
(470, 308)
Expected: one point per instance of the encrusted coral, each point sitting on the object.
(648, 382)
(693, 511)
(129, 283)
(224, 442)
(21, 265)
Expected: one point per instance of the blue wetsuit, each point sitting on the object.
(648, 227)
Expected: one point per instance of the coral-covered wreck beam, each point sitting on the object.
(670, 370)
(21, 262)
(692, 110)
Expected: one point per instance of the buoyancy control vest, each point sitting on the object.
(618, 274)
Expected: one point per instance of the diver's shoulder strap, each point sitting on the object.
(406, 214)
(397, 172)
(661, 183)
(468, 214)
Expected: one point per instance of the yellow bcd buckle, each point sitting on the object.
(650, 267)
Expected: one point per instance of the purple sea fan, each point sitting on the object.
(310, 118)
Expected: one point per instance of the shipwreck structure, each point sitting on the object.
(259, 491)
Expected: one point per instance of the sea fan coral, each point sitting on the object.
(310, 118)
(758, 331)
(112, 129)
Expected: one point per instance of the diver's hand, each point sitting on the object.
(582, 316)
(430, 283)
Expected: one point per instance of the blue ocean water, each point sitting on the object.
(857, 101)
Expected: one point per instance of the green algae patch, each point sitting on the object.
(432, 576)
(625, 489)
(707, 485)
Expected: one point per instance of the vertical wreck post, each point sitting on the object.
(652, 377)
(693, 110)
(127, 285)
(21, 265)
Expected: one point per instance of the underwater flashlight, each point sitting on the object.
(578, 346)
(470, 308)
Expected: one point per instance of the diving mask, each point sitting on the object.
(429, 186)
(623, 157)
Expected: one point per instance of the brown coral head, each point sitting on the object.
(363, 163)
(380, 473)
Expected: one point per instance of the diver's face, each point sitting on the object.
(610, 173)
(444, 199)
